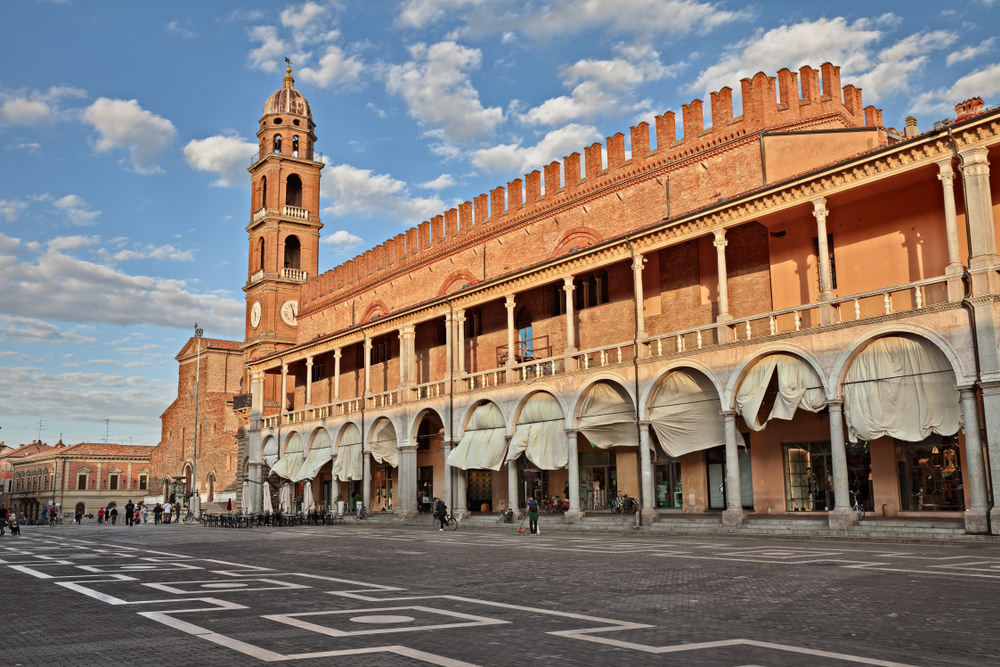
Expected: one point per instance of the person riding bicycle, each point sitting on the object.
(441, 513)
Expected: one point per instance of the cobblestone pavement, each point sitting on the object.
(385, 595)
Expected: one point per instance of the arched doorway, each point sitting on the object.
(382, 446)
(80, 509)
(481, 451)
(609, 452)
(538, 449)
(293, 250)
(430, 466)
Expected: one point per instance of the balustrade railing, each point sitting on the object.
(294, 274)
(295, 212)
(429, 390)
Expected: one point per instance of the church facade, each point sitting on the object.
(790, 312)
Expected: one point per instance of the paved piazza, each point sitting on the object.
(383, 595)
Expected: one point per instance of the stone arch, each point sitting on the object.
(320, 437)
(375, 311)
(847, 356)
(375, 424)
(576, 237)
(475, 404)
(414, 426)
(604, 423)
(515, 413)
(210, 483)
(575, 400)
(456, 281)
(647, 392)
(738, 375)
(293, 439)
(348, 427)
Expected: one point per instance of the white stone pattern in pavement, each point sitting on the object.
(348, 615)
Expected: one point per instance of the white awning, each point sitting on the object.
(901, 387)
(541, 433)
(798, 387)
(607, 418)
(288, 465)
(270, 454)
(686, 413)
(347, 465)
(319, 455)
(484, 443)
(383, 444)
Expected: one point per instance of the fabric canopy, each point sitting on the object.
(308, 499)
(484, 444)
(289, 464)
(347, 465)
(901, 387)
(607, 418)
(245, 497)
(320, 454)
(383, 444)
(541, 433)
(270, 453)
(686, 414)
(268, 505)
(285, 498)
(798, 387)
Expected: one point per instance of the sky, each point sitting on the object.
(126, 129)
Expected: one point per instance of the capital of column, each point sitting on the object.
(945, 173)
(835, 404)
(729, 415)
(720, 238)
(284, 369)
(336, 353)
(368, 344)
(404, 449)
(570, 432)
(309, 362)
(974, 161)
(568, 283)
(638, 262)
(819, 208)
(508, 301)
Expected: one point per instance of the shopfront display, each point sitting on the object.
(808, 477)
(715, 460)
(383, 486)
(667, 488)
(480, 490)
(930, 475)
(598, 479)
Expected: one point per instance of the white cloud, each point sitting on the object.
(67, 289)
(420, 13)
(76, 209)
(76, 242)
(11, 354)
(897, 64)
(343, 239)
(970, 52)
(304, 19)
(228, 156)
(175, 28)
(124, 124)
(35, 107)
(8, 243)
(149, 251)
(10, 209)
(601, 87)
(984, 82)
(270, 51)
(440, 183)
(439, 93)
(33, 330)
(518, 158)
(25, 112)
(334, 67)
(353, 190)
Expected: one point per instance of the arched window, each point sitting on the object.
(295, 146)
(293, 191)
(293, 251)
(260, 254)
(525, 338)
(277, 143)
(263, 192)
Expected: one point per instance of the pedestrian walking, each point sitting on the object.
(168, 509)
(100, 515)
(114, 515)
(177, 510)
(145, 514)
(78, 517)
(157, 513)
(135, 516)
(45, 515)
(129, 510)
(532, 515)
(53, 515)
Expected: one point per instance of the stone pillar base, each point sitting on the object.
(462, 514)
(841, 518)
(995, 521)
(572, 516)
(196, 506)
(733, 518)
(404, 515)
(975, 521)
(826, 312)
(649, 516)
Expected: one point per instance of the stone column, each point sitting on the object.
(509, 305)
(128, 476)
(449, 344)
(647, 495)
(954, 271)
(336, 374)
(446, 448)
(975, 475)
(842, 515)
(732, 517)
(366, 484)
(570, 324)
(368, 366)
(97, 487)
(720, 244)
(256, 394)
(574, 513)
(309, 381)
(254, 443)
(407, 355)
(460, 346)
(461, 509)
(640, 316)
(983, 258)
(283, 401)
(406, 486)
(820, 212)
(512, 484)
(991, 417)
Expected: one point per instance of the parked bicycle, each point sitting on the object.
(623, 504)
(857, 506)
(506, 516)
(361, 513)
(551, 505)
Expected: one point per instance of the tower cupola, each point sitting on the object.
(286, 124)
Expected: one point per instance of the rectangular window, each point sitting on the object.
(930, 475)
(473, 323)
(317, 371)
(808, 477)
(113, 482)
(142, 482)
(81, 483)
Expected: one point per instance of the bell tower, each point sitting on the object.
(284, 220)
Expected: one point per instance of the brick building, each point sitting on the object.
(219, 368)
(780, 313)
(9, 456)
(79, 478)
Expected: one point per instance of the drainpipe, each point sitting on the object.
(635, 377)
(451, 385)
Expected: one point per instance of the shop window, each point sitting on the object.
(930, 475)
(808, 477)
(715, 459)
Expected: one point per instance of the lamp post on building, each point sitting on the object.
(195, 499)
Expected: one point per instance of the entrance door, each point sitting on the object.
(598, 479)
(715, 459)
(808, 477)
(382, 483)
(480, 490)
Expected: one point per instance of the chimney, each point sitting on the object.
(911, 127)
(969, 107)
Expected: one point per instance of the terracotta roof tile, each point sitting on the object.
(93, 449)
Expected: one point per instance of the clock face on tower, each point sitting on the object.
(289, 311)
(255, 311)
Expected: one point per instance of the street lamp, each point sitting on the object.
(196, 499)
